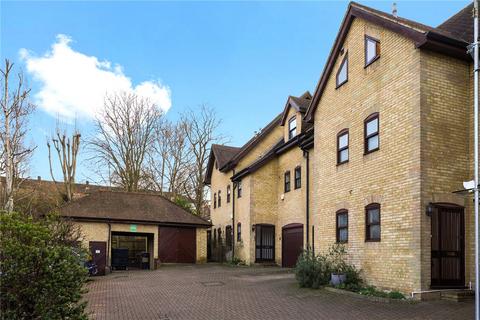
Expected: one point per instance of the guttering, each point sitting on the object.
(233, 218)
(306, 154)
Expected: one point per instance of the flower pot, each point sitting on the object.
(337, 279)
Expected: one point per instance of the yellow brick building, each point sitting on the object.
(391, 124)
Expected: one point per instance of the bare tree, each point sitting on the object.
(67, 151)
(169, 161)
(125, 133)
(200, 127)
(16, 109)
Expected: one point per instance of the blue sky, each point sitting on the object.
(242, 58)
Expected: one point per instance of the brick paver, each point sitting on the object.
(219, 292)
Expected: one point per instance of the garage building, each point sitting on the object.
(137, 230)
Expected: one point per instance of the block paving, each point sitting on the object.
(214, 291)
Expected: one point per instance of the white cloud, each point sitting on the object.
(73, 84)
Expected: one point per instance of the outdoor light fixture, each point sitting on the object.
(429, 209)
(253, 228)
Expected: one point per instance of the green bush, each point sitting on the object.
(373, 291)
(42, 276)
(312, 271)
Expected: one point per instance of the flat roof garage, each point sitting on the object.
(136, 230)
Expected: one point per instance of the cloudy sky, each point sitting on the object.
(242, 58)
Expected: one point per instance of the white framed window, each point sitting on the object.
(342, 73)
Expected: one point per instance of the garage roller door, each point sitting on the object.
(177, 245)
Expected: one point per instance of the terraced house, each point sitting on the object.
(372, 160)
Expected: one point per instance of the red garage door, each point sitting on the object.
(177, 245)
(292, 244)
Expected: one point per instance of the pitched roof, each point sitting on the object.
(460, 24)
(255, 140)
(446, 39)
(222, 155)
(299, 103)
(130, 207)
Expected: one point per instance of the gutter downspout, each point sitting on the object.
(233, 218)
(307, 197)
(109, 261)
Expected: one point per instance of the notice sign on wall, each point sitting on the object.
(133, 228)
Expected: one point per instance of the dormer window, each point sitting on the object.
(342, 73)
(372, 50)
(292, 127)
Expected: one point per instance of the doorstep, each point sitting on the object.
(457, 295)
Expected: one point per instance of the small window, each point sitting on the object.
(239, 189)
(214, 200)
(342, 146)
(292, 128)
(371, 130)
(239, 232)
(298, 177)
(287, 181)
(342, 226)
(219, 198)
(342, 73)
(372, 225)
(372, 50)
(228, 193)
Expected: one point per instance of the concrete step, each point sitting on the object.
(458, 296)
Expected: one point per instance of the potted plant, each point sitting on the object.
(336, 255)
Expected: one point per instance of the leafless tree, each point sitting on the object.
(67, 150)
(16, 109)
(125, 133)
(169, 161)
(200, 127)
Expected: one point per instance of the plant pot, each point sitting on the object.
(337, 279)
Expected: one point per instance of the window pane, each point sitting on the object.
(371, 50)
(342, 220)
(375, 232)
(343, 141)
(342, 74)
(373, 216)
(344, 155)
(343, 234)
(372, 126)
(372, 143)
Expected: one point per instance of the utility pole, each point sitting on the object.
(475, 129)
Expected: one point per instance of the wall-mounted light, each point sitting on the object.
(429, 209)
(253, 228)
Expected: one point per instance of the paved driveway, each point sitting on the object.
(218, 292)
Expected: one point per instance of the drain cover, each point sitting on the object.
(212, 283)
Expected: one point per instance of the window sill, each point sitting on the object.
(371, 151)
(342, 242)
(341, 84)
(373, 240)
(371, 62)
(340, 163)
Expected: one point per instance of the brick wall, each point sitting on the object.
(389, 176)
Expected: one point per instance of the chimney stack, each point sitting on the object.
(394, 10)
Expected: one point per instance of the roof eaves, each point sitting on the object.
(414, 31)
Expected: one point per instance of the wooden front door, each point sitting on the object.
(98, 250)
(448, 247)
(264, 243)
(292, 244)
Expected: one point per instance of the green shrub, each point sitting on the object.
(42, 276)
(237, 262)
(312, 271)
(396, 295)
